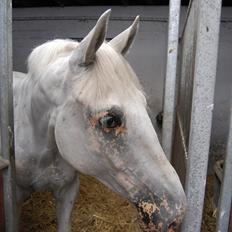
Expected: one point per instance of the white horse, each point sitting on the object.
(80, 108)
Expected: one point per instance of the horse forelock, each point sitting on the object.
(109, 76)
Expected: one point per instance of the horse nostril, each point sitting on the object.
(173, 226)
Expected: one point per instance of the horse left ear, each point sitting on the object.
(85, 52)
(122, 42)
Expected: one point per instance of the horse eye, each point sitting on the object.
(110, 121)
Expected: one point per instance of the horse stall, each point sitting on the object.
(195, 101)
(188, 103)
(188, 108)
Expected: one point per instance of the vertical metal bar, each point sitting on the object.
(6, 116)
(226, 188)
(207, 33)
(170, 79)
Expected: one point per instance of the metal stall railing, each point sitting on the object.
(199, 45)
(7, 158)
(170, 79)
(225, 198)
(204, 20)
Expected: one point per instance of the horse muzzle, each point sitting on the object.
(160, 213)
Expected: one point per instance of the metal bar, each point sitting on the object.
(6, 116)
(226, 188)
(207, 32)
(170, 79)
(182, 135)
(89, 18)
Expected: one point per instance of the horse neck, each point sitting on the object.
(35, 109)
(49, 91)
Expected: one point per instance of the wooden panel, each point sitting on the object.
(2, 226)
(230, 225)
(178, 156)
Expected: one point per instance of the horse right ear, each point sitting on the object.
(122, 42)
(85, 52)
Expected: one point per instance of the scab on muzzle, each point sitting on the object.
(159, 214)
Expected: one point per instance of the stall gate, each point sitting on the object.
(199, 43)
(7, 167)
(187, 120)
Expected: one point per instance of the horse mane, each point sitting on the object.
(110, 75)
(47, 53)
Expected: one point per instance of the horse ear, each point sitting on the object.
(122, 42)
(85, 52)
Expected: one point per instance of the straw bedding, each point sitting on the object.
(209, 214)
(97, 209)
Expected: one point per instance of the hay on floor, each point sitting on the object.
(209, 214)
(97, 209)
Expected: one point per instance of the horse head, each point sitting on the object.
(102, 127)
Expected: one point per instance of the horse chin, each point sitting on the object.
(156, 228)
(160, 227)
